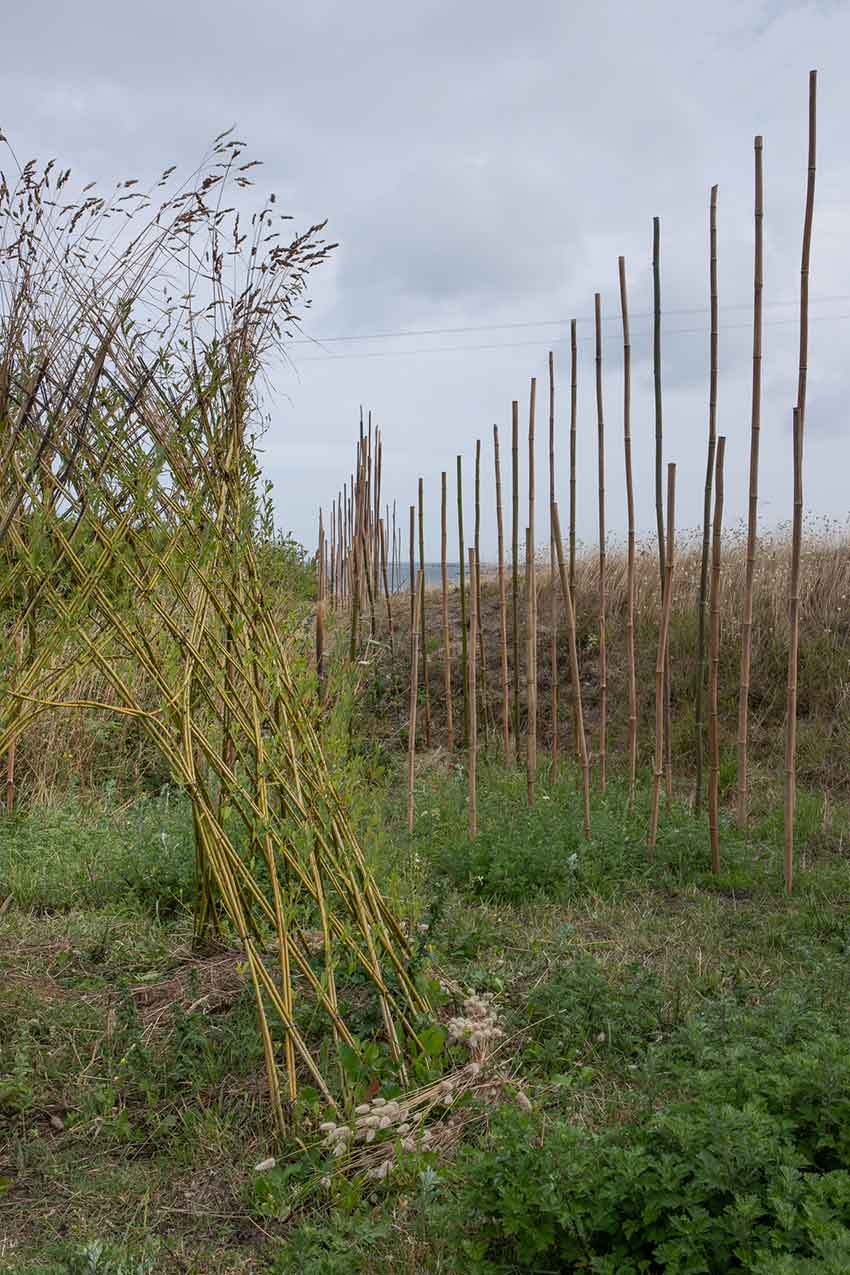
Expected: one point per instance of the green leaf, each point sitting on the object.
(432, 1039)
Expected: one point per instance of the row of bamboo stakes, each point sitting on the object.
(364, 555)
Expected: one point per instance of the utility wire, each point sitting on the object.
(543, 323)
(542, 343)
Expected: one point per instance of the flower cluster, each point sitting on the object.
(477, 1027)
(371, 1119)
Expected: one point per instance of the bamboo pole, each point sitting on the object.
(656, 379)
(553, 599)
(332, 582)
(581, 745)
(395, 581)
(482, 654)
(630, 511)
(790, 794)
(425, 684)
(472, 759)
(370, 590)
(752, 516)
(661, 658)
(714, 662)
(503, 606)
(706, 510)
(532, 639)
(377, 510)
(355, 602)
(515, 561)
(531, 680)
(320, 649)
(659, 449)
(447, 650)
(603, 653)
(797, 527)
(462, 583)
(414, 691)
(573, 430)
(411, 579)
(390, 629)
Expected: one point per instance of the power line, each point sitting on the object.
(515, 345)
(543, 323)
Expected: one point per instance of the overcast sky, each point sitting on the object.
(482, 166)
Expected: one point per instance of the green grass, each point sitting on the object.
(639, 1000)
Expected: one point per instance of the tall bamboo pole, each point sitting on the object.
(714, 662)
(531, 680)
(603, 653)
(462, 582)
(581, 742)
(661, 657)
(656, 378)
(706, 509)
(752, 519)
(573, 428)
(472, 760)
(532, 640)
(659, 449)
(503, 606)
(411, 580)
(414, 691)
(422, 639)
(553, 599)
(515, 560)
(447, 650)
(797, 526)
(630, 510)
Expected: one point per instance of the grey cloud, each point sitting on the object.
(484, 164)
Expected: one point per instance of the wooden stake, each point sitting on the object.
(482, 653)
(603, 654)
(661, 659)
(414, 691)
(553, 600)
(422, 617)
(752, 519)
(566, 594)
(463, 633)
(411, 579)
(503, 606)
(532, 640)
(320, 649)
(659, 506)
(573, 423)
(531, 680)
(797, 528)
(515, 561)
(656, 377)
(714, 662)
(630, 510)
(472, 760)
(706, 509)
(447, 651)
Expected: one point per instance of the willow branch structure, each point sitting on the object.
(131, 531)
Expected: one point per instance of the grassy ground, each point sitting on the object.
(649, 1006)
